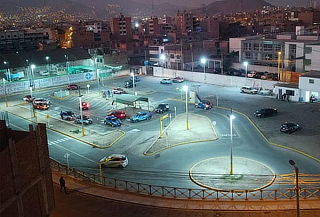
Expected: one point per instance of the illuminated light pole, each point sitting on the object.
(133, 83)
(88, 86)
(81, 114)
(8, 71)
(185, 88)
(246, 67)
(32, 75)
(5, 90)
(296, 170)
(203, 60)
(163, 59)
(231, 117)
(48, 66)
(279, 66)
(136, 25)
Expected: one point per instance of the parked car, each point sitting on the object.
(114, 160)
(266, 112)
(41, 100)
(85, 105)
(85, 120)
(178, 80)
(112, 121)
(40, 105)
(129, 84)
(204, 105)
(251, 74)
(118, 90)
(119, 114)
(258, 75)
(267, 76)
(289, 128)
(163, 107)
(141, 116)
(265, 92)
(72, 87)
(136, 79)
(28, 98)
(247, 89)
(67, 115)
(166, 81)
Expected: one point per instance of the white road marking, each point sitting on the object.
(75, 153)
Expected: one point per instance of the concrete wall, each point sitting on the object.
(255, 68)
(223, 80)
(20, 86)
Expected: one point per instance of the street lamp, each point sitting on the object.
(5, 90)
(231, 117)
(88, 86)
(185, 88)
(48, 67)
(246, 66)
(133, 80)
(279, 65)
(8, 71)
(81, 114)
(33, 66)
(136, 25)
(163, 59)
(296, 169)
(203, 60)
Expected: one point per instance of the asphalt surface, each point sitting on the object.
(171, 167)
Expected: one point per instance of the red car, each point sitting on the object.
(118, 114)
(40, 106)
(72, 87)
(85, 105)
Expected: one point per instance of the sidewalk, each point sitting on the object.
(200, 130)
(85, 200)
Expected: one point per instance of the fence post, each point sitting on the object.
(175, 192)
(189, 197)
(203, 194)
(246, 195)
(150, 190)
(162, 191)
(138, 187)
(231, 194)
(115, 183)
(261, 194)
(275, 194)
(126, 185)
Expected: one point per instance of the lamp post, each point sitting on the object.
(5, 90)
(185, 88)
(88, 86)
(81, 114)
(246, 67)
(163, 59)
(296, 169)
(32, 75)
(133, 82)
(48, 66)
(231, 117)
(8, 71)
(203, 60)
(279, 65)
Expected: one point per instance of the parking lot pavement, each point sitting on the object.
(68, 128)
(200, 130)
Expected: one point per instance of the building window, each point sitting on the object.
(307, 62)
(256, 47)
(311, 81)
(290, 92)
(308, 50)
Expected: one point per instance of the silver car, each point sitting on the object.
(114, 160)
(247, 89)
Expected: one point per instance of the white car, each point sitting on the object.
(118, 90)
(247, 89)
(115, 160)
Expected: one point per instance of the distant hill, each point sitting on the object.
(229, 6)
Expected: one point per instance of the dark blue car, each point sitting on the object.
(204, 105)
(112, 121)
(141, 116)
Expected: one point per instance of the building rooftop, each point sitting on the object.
(312, 74)
(289, 85)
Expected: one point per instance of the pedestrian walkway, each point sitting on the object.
(86, 199)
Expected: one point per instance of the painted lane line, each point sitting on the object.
(75, 153)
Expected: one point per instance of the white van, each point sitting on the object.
(247, 89)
